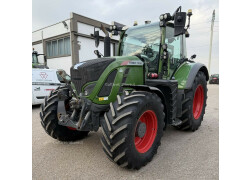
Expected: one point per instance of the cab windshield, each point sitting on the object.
(139, 39)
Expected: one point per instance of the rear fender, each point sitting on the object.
(186, 74)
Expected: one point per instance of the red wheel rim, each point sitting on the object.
(198, 102)
(144, 144)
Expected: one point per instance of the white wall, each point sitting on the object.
(87, 47)
(39, 49)
(51, 31)
(64, 63)
(48, 32)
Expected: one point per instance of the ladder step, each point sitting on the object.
(177, 122)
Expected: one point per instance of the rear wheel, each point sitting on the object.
(49, 120)
(132, 129)
(194, 104)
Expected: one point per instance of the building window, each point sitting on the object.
(59, 47)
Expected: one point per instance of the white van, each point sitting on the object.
(43, 82)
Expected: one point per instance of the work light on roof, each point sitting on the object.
(161, 17)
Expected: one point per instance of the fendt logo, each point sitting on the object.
(43, 75)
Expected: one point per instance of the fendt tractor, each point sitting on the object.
(134, 96)
(36, 63)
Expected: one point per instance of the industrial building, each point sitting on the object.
(70, 41)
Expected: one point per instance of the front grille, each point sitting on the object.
(88, 71)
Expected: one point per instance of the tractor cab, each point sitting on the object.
(34, 57)
(144, 41)
(36, 63)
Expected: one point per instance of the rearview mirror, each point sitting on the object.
(179, 23)
(99, 55)
(96, 36)
(193, 56)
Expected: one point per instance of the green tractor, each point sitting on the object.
(134, 96)
(36, 63)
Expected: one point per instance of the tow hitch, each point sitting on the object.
(81, 111)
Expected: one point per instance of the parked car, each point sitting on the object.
(214, 79)
(44, 81)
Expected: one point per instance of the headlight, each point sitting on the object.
(111, 27)
(161, 17)
(88, 89)
(165, 16)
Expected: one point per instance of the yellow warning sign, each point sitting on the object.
(101, 98)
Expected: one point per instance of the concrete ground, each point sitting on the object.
(182, 155)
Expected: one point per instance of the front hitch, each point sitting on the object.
(80, 107)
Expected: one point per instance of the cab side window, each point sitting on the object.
(174, 47)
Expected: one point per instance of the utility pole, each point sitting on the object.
(211, 41)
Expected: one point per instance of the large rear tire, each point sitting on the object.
(194, 104)
(132, 129)
(49, 120)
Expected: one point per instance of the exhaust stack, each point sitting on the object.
(107, 42)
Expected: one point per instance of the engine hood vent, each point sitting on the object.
(88, 71)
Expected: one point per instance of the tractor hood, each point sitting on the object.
(91, 70)
(88, 71)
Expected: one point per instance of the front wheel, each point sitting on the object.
(49, 120)
(132, 129)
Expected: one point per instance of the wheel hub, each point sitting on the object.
(145, 131)
(141, 129)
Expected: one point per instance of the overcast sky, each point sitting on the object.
(48, 12)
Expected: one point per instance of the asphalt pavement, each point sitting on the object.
(182, 155)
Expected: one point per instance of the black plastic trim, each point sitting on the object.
(108, 84)
(124, 78)
(195, 69)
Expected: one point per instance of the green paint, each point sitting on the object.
(163, 34)
(135, 71)
(182, 74)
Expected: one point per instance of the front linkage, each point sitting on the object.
(77, 112)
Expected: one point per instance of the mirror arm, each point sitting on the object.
(99, 55)
(177, 10)
(189, 14)
(188, 26)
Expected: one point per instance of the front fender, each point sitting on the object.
(186, 73)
